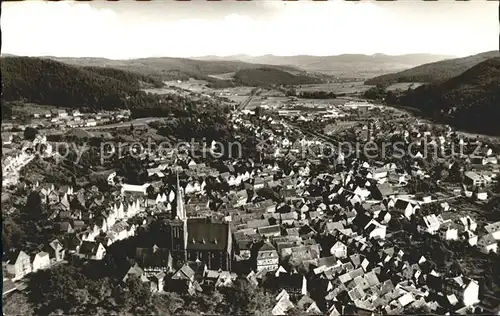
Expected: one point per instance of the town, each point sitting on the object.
(320, 233)
(229, 158)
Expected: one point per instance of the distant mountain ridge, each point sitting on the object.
(340, 65)
(169, 68)
(435, 71)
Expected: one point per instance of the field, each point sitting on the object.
(192, 85)
(338, 127)
(164, 90)
(28, 109)
(226, 76)
(404, 86)
(272, 102)
(352, 87)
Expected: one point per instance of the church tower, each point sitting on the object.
(179, 232)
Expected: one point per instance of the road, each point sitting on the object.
(135, 122)
(245, 103)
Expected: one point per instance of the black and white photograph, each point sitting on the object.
(259, 157)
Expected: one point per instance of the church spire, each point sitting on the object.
(180, 211)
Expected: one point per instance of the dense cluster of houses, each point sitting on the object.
(66, 119)
(321, 239)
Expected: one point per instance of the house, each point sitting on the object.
(258, 184)
(154, 260)
(18, 264)
(375, 230)
(283, 304)
(448, 233)
(406, 207)
(470, 237)
(91, 250)
(90, 122)
(135, 189)
(379, 173)
(339, 250)
(267, 257)
(469, 223)
(183, 280)
(383, 191)
(62, 113)
(135, 272)
(218, 279)
(7, 139)
(488, 244)
(56, 251)
(157, 282)
(472, 178)
(429, 224)
(269, 231)
(493, 229)
(243, 249)
(465, 289)
(63, 227)
(482, 195)
(41, 261)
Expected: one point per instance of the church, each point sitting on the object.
(203, 239)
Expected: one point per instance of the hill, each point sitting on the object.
(270, 76)
(433, 72)
(346, 65)
(167, 68)
(469, 101)
(45, 81)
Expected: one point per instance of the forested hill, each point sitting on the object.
(136, 79)
(270, 76)
(168, 68)
(469, 101)
(433, 72)
(45, 81)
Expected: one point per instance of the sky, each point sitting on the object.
(130, 29)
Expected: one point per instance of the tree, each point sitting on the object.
(375, 93)
(11, 235)
(30, 133)
(258, 111)
(33, 208)
(17, 304)
(243, 298)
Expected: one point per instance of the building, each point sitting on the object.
(406, 207)
(429, 224)
(91, 250)
(465, 289)
(339, 250)
(203, 239)
(56, 251)
(488, 244)
(62, 113)
(209, 242)
(267, 257)
(41, 261)
(18, 265)
(154, 260)
(472, 178)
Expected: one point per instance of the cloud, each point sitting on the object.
(303, 27)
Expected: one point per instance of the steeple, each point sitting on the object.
(180, 211)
